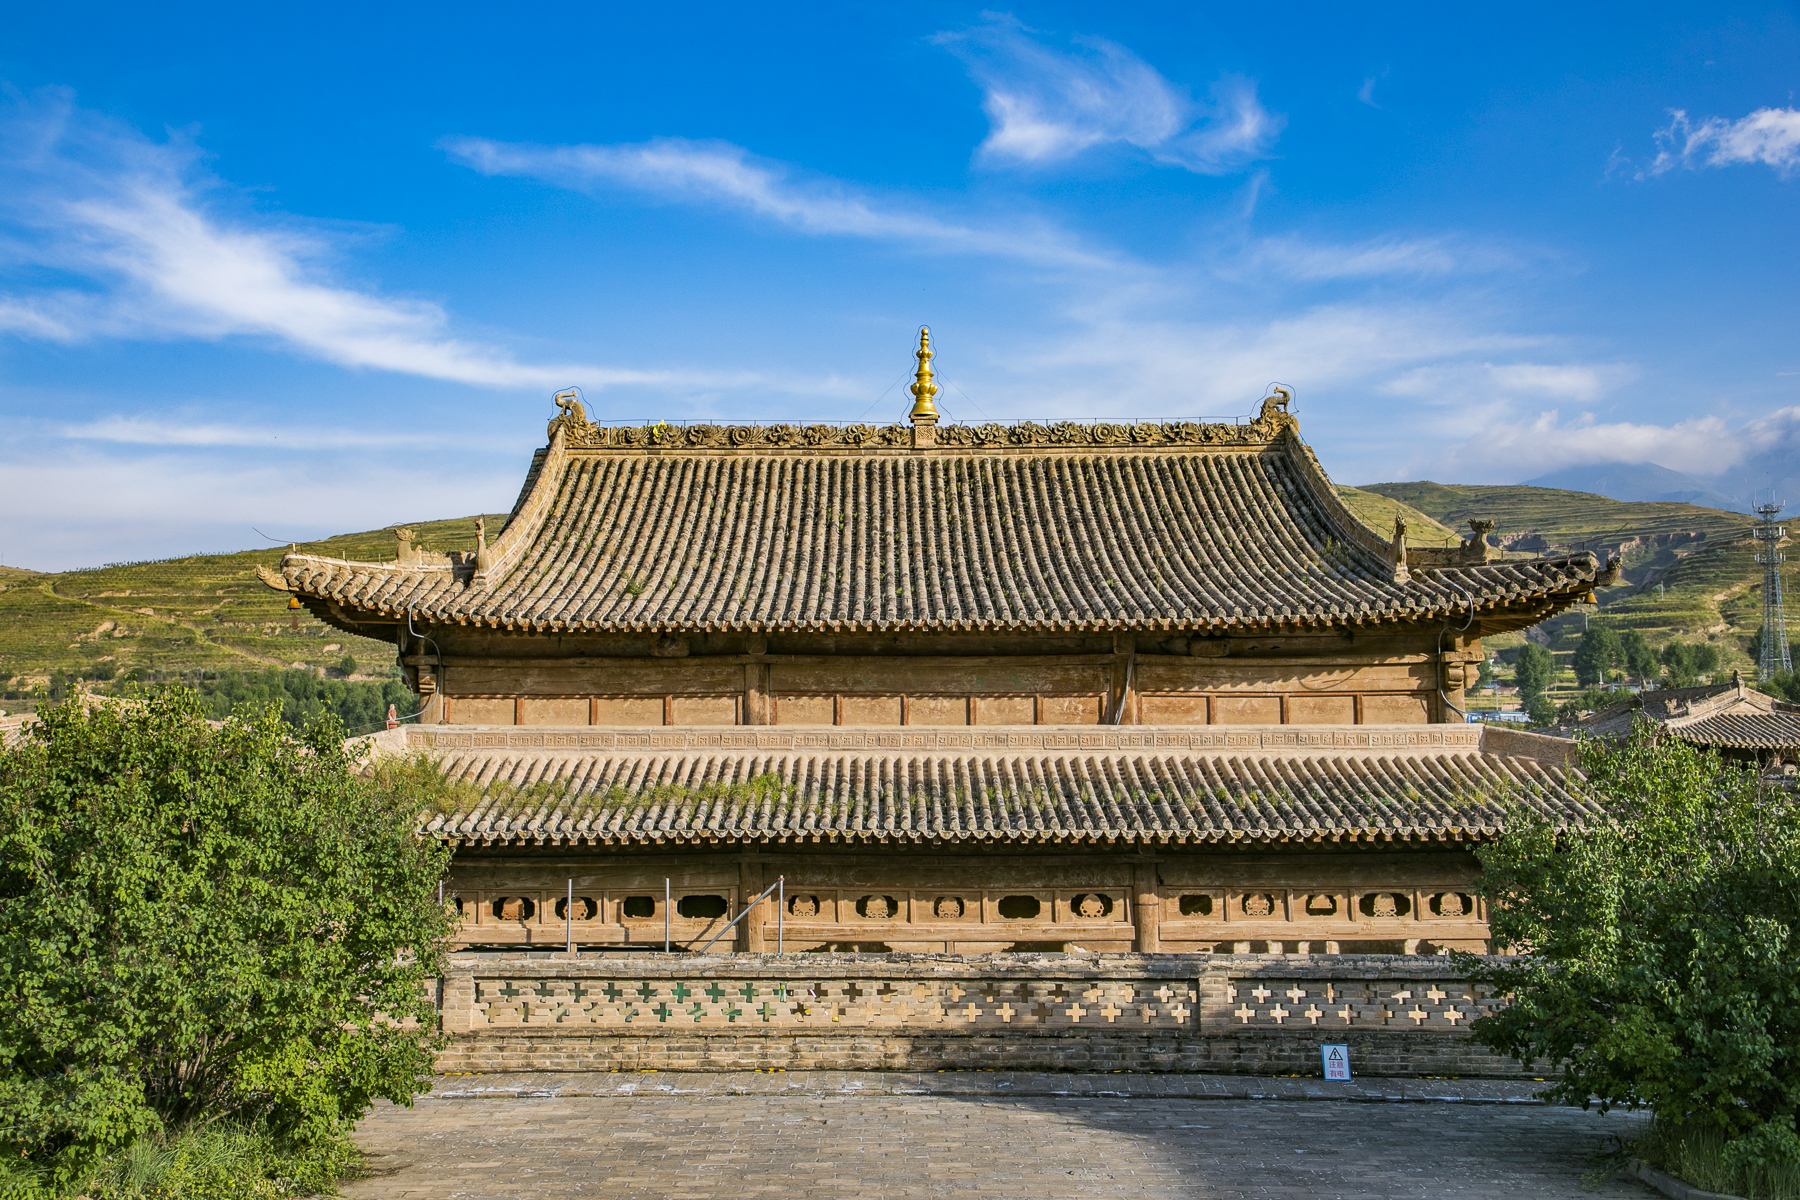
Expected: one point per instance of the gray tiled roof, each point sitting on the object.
(1379, 783)
(1095, 535)
(1726, 715)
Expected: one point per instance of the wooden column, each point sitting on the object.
(756, 694)
(1146, 908)
(750, 929)
(1123, 696)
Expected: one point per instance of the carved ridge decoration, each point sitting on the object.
(1270, 427)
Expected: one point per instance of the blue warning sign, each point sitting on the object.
(1337, 1063)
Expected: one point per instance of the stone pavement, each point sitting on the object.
(998, 1136)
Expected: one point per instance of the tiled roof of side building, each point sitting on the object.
(1742, 731)
(1054, 528)
(1727, 715)
(1004, 786)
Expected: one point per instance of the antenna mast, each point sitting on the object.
(1769, 536)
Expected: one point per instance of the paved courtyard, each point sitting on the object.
(814, 1139)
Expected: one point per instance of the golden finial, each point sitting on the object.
(923, 389)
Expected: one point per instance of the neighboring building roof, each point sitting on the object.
(1006, 785)
(1065, 527)
(1726, 715)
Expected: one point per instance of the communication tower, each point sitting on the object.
(1769, 537)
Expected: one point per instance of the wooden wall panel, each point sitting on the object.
(542, 710)
(1006, 710)
(938, 676)
(1166, 674)
(1069, 710)
(628, 710)
(472, 710)
(1168, 709)
(1246, 710)
(1396, 710)
(590, 677)
(937, 710)
(703, 710)
(868, 710)
(1321, 710)
(804, 710)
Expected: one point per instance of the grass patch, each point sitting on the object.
(1697, 1158)
(203, 1163)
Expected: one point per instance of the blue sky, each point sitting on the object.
(317, 269)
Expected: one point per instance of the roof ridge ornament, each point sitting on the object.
(923, 388)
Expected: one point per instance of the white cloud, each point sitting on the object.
(66, 513)
(135, 222)
(1768, 135)
(152, 431)
(1503, 450)
(724, 174)
(1046, 105)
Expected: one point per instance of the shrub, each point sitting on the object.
(1663, 966)
(202, 926)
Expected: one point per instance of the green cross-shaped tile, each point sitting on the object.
(543, 990)
(698, 1011)
(766, 1012)
(662, 1011)
(509, 991)
(715, 992)
(645, 991)
(612, 991)
(577, 993)
(680, 992)
(748, 991)
(732, 1013)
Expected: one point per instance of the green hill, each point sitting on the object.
(1377, 512)
(1690, 573)
(204, 612)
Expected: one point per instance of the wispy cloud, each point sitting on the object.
(1768, 135)
(157, 431)
(141, 243)
(1488, 386)
(1046, 105)
(730, 176)
(1417, 257)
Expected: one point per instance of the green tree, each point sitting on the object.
(1689, 664)
(1640, 657)
(1659, 961)
(1533, 671)
(204, 924)
(1541, 709)
(1598, 653)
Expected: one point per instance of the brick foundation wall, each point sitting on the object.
(1248, 1014)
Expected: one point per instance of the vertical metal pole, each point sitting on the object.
(780, 910)
(666, 895)
(569, 917)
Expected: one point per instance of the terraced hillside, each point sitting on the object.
(1690, 572)
(1377, 512)
(205, 611)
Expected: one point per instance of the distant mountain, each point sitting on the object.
(1638, 482)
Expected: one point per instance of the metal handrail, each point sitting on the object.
(779, 881)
